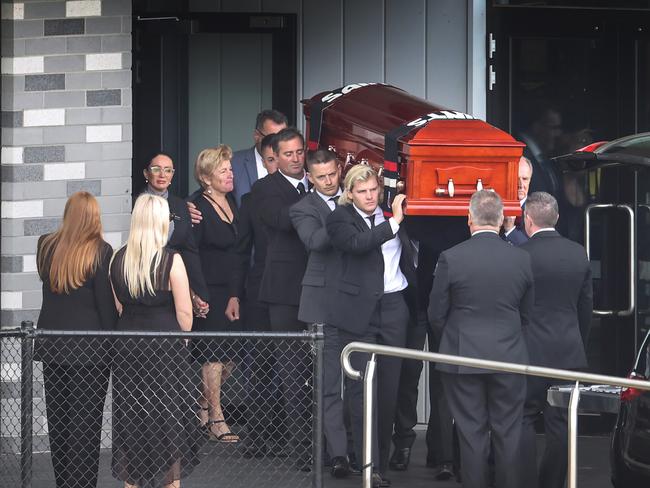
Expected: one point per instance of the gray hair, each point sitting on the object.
(527, 161)
(542, 209)
(486, 208)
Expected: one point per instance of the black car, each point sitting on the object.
(630, 449)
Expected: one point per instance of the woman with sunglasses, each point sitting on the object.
(158, 176)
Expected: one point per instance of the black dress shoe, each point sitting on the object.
(378, 481)
(399, 461)
(443, 472)
(340, 467)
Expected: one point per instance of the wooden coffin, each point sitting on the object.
(443, 156)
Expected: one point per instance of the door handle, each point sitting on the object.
(632, 264)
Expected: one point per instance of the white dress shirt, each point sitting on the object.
(394, 279)
(294, 181)
(545, 229)
(328, 200)
(261, 169)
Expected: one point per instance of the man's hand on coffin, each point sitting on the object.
(398, 207)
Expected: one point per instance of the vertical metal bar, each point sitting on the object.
(572, 472)
(367, 422)
(317, 408)
(26, 403)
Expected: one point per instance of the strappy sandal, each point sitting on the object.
(227, 437)
(203, 418)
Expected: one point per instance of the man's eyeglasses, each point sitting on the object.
(156, 170)
(261, 133)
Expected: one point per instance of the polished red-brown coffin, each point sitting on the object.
(451, 145)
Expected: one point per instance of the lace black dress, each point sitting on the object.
(156, 434)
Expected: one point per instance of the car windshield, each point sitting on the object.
(638, 145)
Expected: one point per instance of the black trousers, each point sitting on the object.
(484, 404)
(387, 326)
(333, 426)
(75, 398)
(439, 435)
(265, 418)
(553, 469)
(292, 360)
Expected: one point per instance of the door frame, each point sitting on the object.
(160, 112)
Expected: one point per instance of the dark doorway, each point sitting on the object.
(199, 79)
(565, 78)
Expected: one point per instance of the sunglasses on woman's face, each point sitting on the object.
(156, 170)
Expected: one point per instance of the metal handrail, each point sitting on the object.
(524, 369)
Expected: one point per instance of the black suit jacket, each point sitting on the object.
(286, 257)
(89, 307)
(309, 217)
(251, 244)
(182, 240)
(561, 315)
(361, 283)
(481, 301)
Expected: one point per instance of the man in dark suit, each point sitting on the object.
(371, 298)
(480, 306)
(309, 217)
(248, 165)
(513, 227)
(284, 268)
(557, 335)
(265, 417)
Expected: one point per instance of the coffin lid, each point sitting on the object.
(381, 108)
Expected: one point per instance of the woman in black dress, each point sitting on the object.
(216, 237)
(156, 436)
(158, 176)
(73, 265)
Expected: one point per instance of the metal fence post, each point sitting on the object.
(367, 421)
(26, 402)
(572, 472)
(317, 409)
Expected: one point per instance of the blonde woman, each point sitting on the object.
(155, 433)
(216, 237)
(73, 265)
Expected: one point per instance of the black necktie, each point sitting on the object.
(301, 188)
(371, 218)
(335, 201)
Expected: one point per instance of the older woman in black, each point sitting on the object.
(73, 265)
(216, 237)
(158, 176)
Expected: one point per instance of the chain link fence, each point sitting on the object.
(86, 409)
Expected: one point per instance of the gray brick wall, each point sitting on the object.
(66, 126)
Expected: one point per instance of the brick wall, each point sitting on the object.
(66, 126)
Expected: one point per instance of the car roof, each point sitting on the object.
(629, 150)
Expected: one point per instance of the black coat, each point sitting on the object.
(309, 218)
(89, 307)
(561, 316)
(251, 244)
(286, 257)
(361, 282)
(481, 301)
(182, 240)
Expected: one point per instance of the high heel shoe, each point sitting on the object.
(225, 437)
